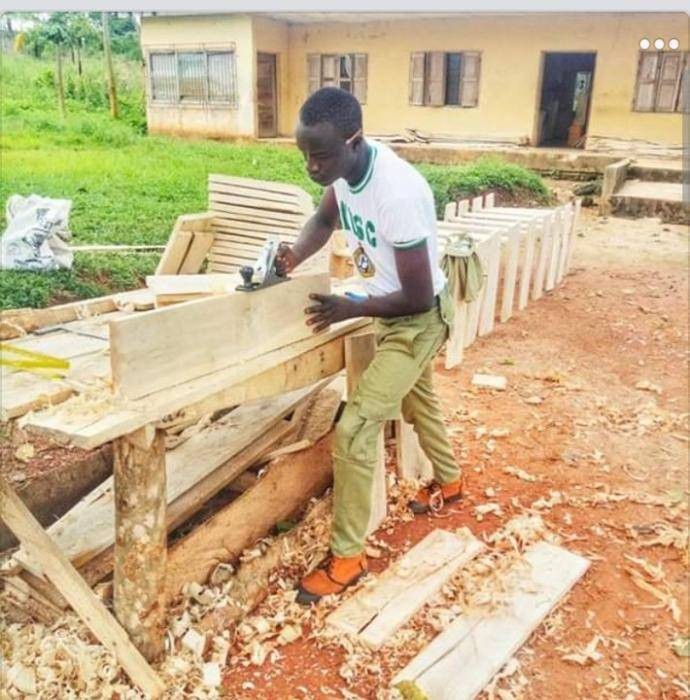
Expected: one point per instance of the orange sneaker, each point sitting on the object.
(433, 497)
(333, 576)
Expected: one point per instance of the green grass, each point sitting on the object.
(128, 188)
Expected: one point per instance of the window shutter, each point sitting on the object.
(360, 77)
(469, 82)
(647, 69)
(669, 82)
(436, 83)
(329, 71)
(683, 104)
(163, 77)
(417, 61)
(313, 72)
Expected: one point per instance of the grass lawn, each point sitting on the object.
(128, 188)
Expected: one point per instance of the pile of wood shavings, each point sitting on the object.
(62, 661)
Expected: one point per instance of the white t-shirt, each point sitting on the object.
(391, 207)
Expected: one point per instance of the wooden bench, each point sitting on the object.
(242, 215)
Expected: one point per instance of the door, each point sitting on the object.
(565, 99)
(266, 90)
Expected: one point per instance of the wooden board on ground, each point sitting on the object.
(158, 349)
(68, 581)
(379, 609)
(88, 528)
(285, 489)
(462, 660)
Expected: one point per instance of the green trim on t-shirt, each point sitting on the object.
(356, 189)
(410, 244)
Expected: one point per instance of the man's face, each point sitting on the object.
(327, 154)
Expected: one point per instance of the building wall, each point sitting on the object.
(509, 89)
(196, 32)
(271, 36)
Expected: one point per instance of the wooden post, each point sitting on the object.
(140, 538)
(411, 461)
(359, 352)
(112, 89)
(59, 82)
(67, 580)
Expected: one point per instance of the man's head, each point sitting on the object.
(329, 134)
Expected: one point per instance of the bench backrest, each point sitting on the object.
(246, 212)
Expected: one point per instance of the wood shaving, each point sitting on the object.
(519, 473)
(587, 655)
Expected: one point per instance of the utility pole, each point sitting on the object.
(112, 90)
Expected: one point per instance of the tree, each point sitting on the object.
(82, 33)
(112, 91)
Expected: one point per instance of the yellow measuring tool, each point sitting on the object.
(31, 361)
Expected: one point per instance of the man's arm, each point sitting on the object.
(416, 295)
(313, 236)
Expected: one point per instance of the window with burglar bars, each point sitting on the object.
(660, 81)
(193, 77)
(440, 78)
(346, 71)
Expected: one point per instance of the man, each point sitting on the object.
(387, 210)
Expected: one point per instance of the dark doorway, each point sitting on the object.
(566, 90)
(266, 91)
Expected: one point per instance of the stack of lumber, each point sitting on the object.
(525, 252)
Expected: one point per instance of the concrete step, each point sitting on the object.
(653, 171)
(644, 198)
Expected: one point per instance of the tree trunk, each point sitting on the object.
(59, 84)
(112, 90)
(140, 538)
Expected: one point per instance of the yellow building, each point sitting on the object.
(543, 79)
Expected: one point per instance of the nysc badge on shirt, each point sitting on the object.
(363, 262)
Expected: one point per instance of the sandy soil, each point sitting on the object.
(618, 323)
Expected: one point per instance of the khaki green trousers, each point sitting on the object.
(398, 379)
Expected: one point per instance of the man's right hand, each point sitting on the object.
(286, 260)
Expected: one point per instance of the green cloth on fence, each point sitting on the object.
(463, 268)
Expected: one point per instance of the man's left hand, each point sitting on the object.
(330, 309)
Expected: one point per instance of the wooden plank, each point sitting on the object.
(196, 254)
(510, 272)
(16, 322)
(263, 376)
(556, 243)
(192, 284)
(174, 252)
(87, 529)
(68, 581)
(232, 212)
(545, 243)
(270, 197)
(490, 252)
(219, 180)
(283, 491)
(157, 349)
(140, 539)
(571, 240)
(565, 241)
(456, 340)
(530, 239)
(476, 646)
(253, 202)
(477, 203)
(411, 461)
(252, 229)
(385, 604)
(360, 350)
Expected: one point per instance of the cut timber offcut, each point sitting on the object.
(477, 645)
(376, 611)
(158, 349)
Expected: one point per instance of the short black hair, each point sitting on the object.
(331, 104)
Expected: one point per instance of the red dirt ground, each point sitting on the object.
(620, 318)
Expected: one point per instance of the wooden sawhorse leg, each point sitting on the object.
(62, 574)
(140, 538)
